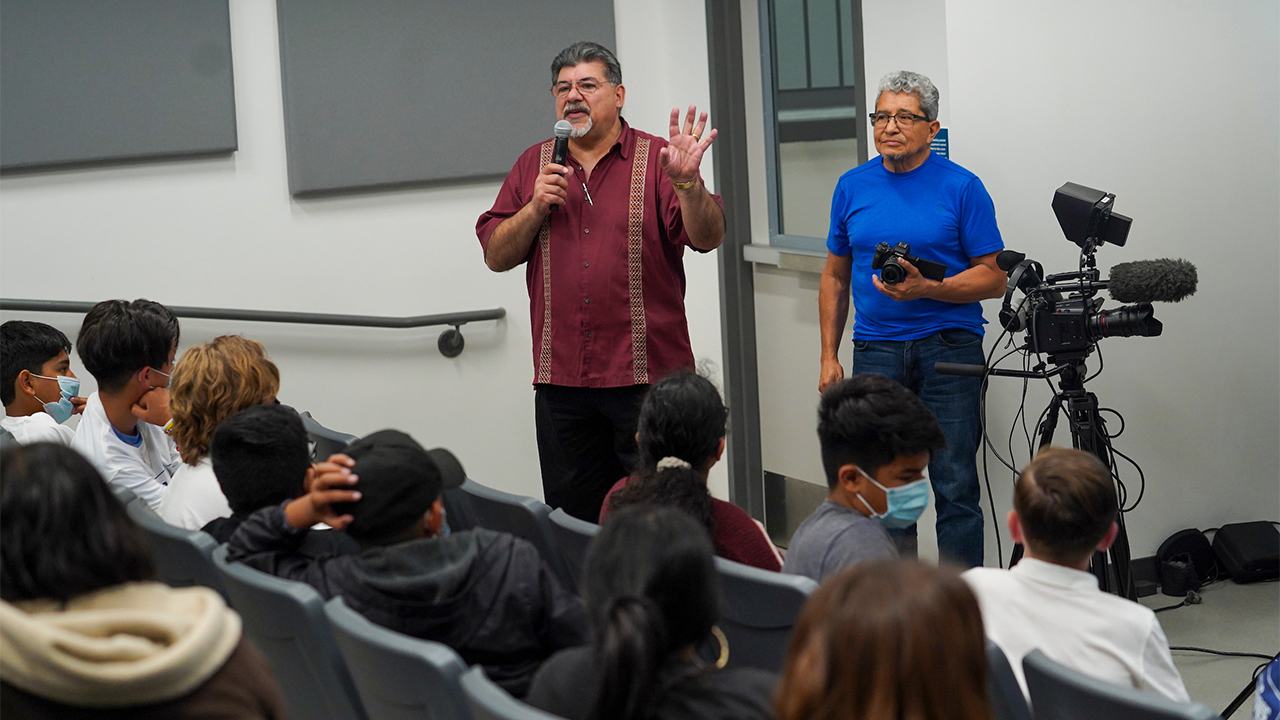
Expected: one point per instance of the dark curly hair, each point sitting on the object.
(682, 417)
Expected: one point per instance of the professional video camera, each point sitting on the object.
(1064, 320)
(1061, 313)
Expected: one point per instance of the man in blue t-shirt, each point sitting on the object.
(943, 212)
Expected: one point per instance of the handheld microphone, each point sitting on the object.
(560, 152)
(1145, 281)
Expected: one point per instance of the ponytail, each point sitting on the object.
(632, 645)
(673, 484)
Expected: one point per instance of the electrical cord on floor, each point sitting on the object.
(1224, 653)
(1192, 598)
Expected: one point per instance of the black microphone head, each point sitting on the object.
(1161, 280)
(563, 128)
(1007, 260)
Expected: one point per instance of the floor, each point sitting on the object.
(1237, 618)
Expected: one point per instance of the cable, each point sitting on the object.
(1223, 653)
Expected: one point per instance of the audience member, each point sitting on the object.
(681, 435)
(887, 640)
(652, 597)
(261, 457)
(37, 387)
(128, 348)
(876, 438)
(1064, 509)
(84, 633)
(486, 594)
(211, 383)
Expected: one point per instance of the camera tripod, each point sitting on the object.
(1088, 433)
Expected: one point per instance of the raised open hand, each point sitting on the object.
(683, 153)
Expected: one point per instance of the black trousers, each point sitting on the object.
(586, 443)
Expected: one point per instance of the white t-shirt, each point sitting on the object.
(38, 427)
(145, 469)
(194, 497)
(1060, 611)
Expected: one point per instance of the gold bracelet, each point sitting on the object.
(685, 185)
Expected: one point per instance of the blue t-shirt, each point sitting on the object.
(941, 210)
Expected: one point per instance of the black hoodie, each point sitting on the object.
(486, 594)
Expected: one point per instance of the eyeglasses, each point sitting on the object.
(585, 87)
(905, 120)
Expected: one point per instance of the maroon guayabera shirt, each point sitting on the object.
(605, 274)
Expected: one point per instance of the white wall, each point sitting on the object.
(1173, 107)
(224, 232)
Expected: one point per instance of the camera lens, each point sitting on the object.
(1125, 322)
(892, 273)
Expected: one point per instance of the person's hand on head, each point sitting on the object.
(551, 187)
(331, 485)
(912, 287)
(335, 463)
(153, 406)
(685, 146)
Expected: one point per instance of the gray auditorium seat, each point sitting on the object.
(286, 620)
(123, 494)
(1007, 701)
(490, 702)
(325, 442)
(516, 514)
(758, 611)
(182, 557)
(572, 536)
(398, 677)
(8, 441)
(1060, 693)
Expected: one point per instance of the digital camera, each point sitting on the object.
(891, 271)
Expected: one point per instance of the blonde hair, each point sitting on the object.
(211, 383)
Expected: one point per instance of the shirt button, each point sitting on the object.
(588, 333)
(586, 230)
(587, 300)
(586, 264)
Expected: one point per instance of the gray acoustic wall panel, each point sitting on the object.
(94, 80)
(391, 92)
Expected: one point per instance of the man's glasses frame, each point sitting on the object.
(586, 87)
(904, 119)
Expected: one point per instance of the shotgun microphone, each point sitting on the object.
(1145, 281)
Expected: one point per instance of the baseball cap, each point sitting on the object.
(399, 480)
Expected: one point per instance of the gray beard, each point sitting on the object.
(578, 132)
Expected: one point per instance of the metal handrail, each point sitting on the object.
(450, 343)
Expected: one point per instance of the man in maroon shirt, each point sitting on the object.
(604, 270)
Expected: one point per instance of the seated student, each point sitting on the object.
(85, 632)
(1064, 508)
(680, 436)
(37, 386)
(652, 596)
(486, 594)
(876, 438)
(887, 640)
(128, 347)
(211, 383)
(261, 457)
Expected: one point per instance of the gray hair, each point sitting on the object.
(581, 52)
(905, 81)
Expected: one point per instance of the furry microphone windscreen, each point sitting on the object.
(1163, 280)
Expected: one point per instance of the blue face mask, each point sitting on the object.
(903, 505)
(61, 410)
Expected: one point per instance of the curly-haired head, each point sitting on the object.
(211, 383)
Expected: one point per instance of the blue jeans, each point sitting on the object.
(953, 471)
